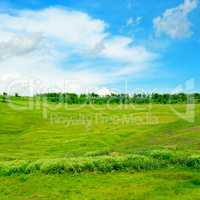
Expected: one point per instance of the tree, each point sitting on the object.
(4, 98)
(16, 94)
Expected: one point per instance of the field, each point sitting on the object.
(58, 151)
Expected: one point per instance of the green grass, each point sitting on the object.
(156, 159)
(84, 164)
(159, 184)
(79, 151)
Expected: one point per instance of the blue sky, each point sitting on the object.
(85, 45)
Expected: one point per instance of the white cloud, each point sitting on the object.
(15, 45)
(120, 48)
(38, 45)
(175, 22)
(131, 21)
(75, 28)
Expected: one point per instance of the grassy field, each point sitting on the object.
(99, 151)
(162, 184)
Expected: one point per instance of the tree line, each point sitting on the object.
(92, 98)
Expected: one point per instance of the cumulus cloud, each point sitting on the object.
(40, 44)
(18, 45)
(120, 48)
(175, 22)
(75, 28)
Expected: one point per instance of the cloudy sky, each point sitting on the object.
(85, 45)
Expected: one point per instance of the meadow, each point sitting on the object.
(60, 151)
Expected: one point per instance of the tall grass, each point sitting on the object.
(85, 164)
(152, 160)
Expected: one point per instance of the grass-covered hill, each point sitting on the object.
(60, 151)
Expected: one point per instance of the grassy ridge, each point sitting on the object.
(153, 160)
(77, 165)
